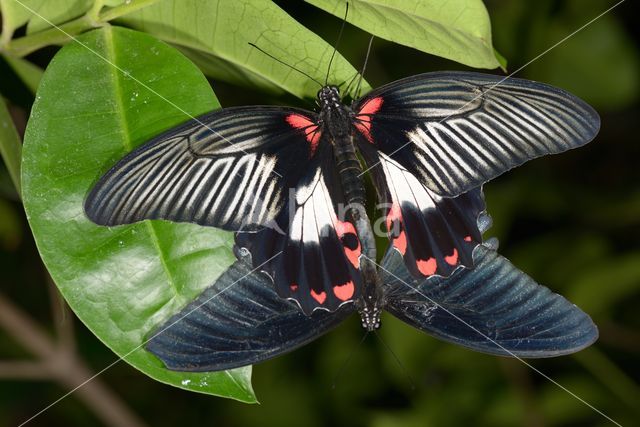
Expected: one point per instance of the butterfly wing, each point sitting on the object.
(494, 308)
(433, 234)
(312, 253)
(229, 169)
(239, 320)
(457, 130)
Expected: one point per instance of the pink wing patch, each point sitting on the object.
(345, 291)
(363, 118)
(320, 296)
(310, 129)
(353, 254)
(427, 267)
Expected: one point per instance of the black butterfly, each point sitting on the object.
(282, 176)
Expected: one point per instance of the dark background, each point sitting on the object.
(571, 221)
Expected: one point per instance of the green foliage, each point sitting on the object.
(10, 147)
(459, 30)
(216, 36)
(120, 281)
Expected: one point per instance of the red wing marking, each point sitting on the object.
(309, 128)
(320, 297)
(352, 254)
(427, 267)
(293, 287)
(363, 118)
(467, 239)
(345, 291)
(453, 258)
(394, 219)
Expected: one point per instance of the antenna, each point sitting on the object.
(284, 63)
(364, 67)
(335, 46)
(395, 357)
(348, 359)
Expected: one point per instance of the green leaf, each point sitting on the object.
(29, 73)
(216, 35)
(459, 30)
(15, 14)
(120, 281)
(49, 13)
(10, 145)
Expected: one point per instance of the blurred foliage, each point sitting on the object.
(571, 221)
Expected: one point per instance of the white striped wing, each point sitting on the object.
(458, 130)
(229, 169)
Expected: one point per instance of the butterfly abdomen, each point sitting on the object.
(349, 170)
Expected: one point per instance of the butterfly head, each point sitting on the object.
(329, 95)
(370, 313)
(370, 317)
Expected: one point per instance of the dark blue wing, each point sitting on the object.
(238, 321)
(494, 308)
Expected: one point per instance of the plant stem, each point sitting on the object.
(62, 364)
(57, 35)
(61, 34)
(125, 9)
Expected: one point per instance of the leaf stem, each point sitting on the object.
(94, 18)
(125, 9)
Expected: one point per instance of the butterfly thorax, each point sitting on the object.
(336, 120)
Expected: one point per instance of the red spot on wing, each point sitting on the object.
(353, 255)
(363, 117)
(427, 267)
(320, 297)
(310, 129)
(453, 258)
(467, 238)
(345, 291)
(293, 287)
(343, 228)
(394, 218)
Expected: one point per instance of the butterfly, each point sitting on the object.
(290, 182)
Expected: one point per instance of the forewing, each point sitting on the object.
(494, 308)
(458, 130)
(238, 321)
(312, 252)
(229, 169)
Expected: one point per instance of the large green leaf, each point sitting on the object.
(120, 281)
(459, 30)
(218, 32)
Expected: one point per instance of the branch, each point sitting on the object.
(60, 363)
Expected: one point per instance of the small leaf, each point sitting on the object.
(17, 13)
(216, 35)
(120, 281)
(29, 73)
(459, 30)
(10, 145)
